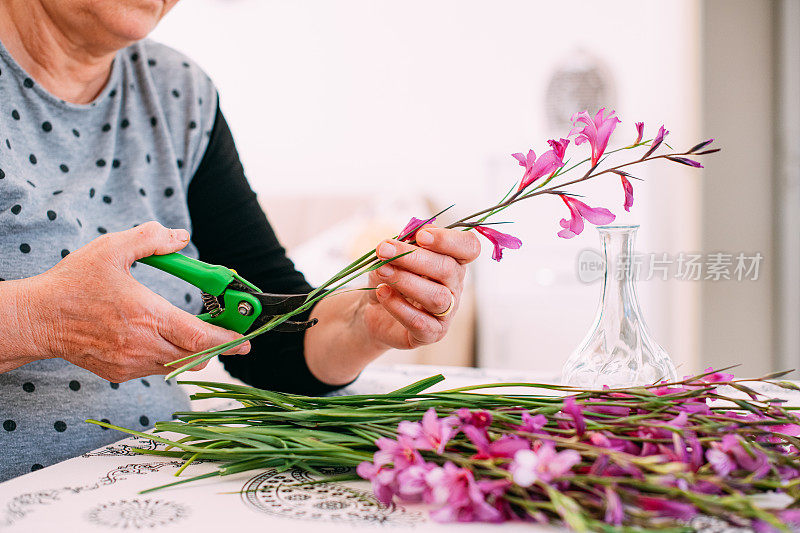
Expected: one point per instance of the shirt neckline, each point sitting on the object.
(16, 68)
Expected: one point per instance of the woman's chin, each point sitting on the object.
(132, 20)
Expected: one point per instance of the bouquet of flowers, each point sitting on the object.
(632, 459)
(544, 176)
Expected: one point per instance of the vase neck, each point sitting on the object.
(619, 292)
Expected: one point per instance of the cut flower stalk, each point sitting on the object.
(543, 176)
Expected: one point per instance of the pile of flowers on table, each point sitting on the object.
(648, 457)
(632, 459)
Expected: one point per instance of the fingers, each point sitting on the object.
(463, 246)
(439, 267)
(433, 297)
(145, 240)
(421, 327)
(188, 332)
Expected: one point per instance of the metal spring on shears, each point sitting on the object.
(211, 304)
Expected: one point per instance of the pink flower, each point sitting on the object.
(721, 462)
(532, 424)
(628, 188)
(559, 147)
(412, 485)
(716, 377)
(665, 390)
(668, 508)
(726, 455)
(656, 142)
(383, 480)
(544, 464)
(608, 441)
(790, 517)
(464, 500)
(499, 240)
(596, 131)
(479, 419)
(614, 512)
(410, 231)
(615, 410)
(401, 452)
(504, 447)
(548, 163)
(578, 211)
(432, 433)
(639, 132)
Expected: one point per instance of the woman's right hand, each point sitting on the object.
(89, 310)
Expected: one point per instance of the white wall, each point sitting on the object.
(431, 96)
(738, 203)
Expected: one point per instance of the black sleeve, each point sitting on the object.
(231, 229)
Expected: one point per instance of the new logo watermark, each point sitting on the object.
(716, 266)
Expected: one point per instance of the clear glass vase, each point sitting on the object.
(619, 350)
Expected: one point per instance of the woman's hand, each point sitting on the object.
(89, 310)
(418, 294)
(355, 328)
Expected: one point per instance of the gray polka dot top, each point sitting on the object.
(69, 173)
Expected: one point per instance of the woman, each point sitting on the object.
(106, 141)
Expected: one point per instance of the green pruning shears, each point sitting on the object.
(231, 301)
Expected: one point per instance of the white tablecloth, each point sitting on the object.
(99, 490)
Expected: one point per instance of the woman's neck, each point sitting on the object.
(61, 63)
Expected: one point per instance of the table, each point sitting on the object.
(98, 491)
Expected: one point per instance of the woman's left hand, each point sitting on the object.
(418, 294)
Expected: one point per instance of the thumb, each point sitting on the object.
(145, 240)
(190, 333)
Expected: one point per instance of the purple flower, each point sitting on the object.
(596, 131)
(432, 433)
(499, 240)
(668, 508)
(463, 498)
(544, 464)
(578, 211)
(572, 409)
(414, 225)
(685, 161)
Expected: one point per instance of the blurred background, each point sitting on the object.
(351, 116)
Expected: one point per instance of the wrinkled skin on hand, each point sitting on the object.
(89, 310)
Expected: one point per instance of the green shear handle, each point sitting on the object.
(231, 301)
